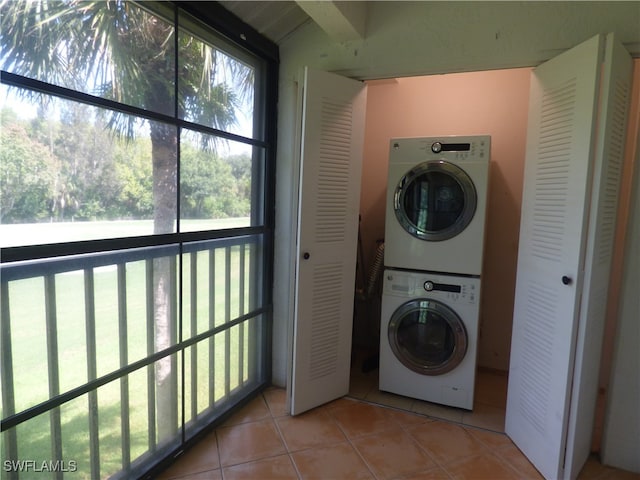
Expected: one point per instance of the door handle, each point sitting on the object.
(306, 255)
(566, 280)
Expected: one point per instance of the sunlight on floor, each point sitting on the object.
(352, 439)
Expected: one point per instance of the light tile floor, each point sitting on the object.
(490, 399)
(352, 439)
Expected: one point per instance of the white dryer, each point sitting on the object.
(436, 203)
(429, 336)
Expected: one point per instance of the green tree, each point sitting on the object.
(241, 170)
(87, 182)
(134, 179)
(123, 52)
(28, 174)
(206, 182)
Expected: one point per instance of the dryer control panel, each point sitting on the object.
(473, 147)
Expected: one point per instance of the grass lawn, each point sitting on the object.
(21, 234)
(230, 348)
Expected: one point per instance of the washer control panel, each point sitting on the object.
(455, 292)
(464, 290)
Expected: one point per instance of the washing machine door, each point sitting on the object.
(427, 336)
(435, 200)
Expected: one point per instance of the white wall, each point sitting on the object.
(621, 441)
(415, 38)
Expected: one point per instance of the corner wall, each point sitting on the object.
(620, 375)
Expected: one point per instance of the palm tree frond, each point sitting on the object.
(117, 50)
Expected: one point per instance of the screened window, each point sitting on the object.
(136, 228)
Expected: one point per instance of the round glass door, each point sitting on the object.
(435, 200)
(427, 337)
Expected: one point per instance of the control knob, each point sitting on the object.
(436, 147)
(428, 285)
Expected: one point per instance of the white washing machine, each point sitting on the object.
(436, 203)
(429, 336)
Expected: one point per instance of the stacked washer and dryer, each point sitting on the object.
(434, 240)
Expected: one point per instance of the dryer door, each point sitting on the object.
(427, 336)
(435, 200)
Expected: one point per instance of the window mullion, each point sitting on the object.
(111, 181)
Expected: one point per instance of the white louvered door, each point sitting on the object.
(566, 232)
(331, 166)
(608, 161)
(561, 123)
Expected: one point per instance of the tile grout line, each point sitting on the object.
(330, 413)
(222, 467)
(218, 453)
(284, 442)
(420, 446)
(253, 421)
(295, 465)
(505, 460)
(443, 465)
(401, 427)
(283, 439)
(507, 463)
(366, 464)
(430, 419)
(465, 427)
(499, 451)
(415, 442)
(489, 450)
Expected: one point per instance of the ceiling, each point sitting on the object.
(341, 20)
(273, 19)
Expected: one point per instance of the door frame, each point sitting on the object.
(291, 268)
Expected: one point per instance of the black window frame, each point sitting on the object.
(232, 29)
(243, 36)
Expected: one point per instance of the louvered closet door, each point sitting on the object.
(562, 120)
(577, 123)
(331, 166)
(608, 160)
